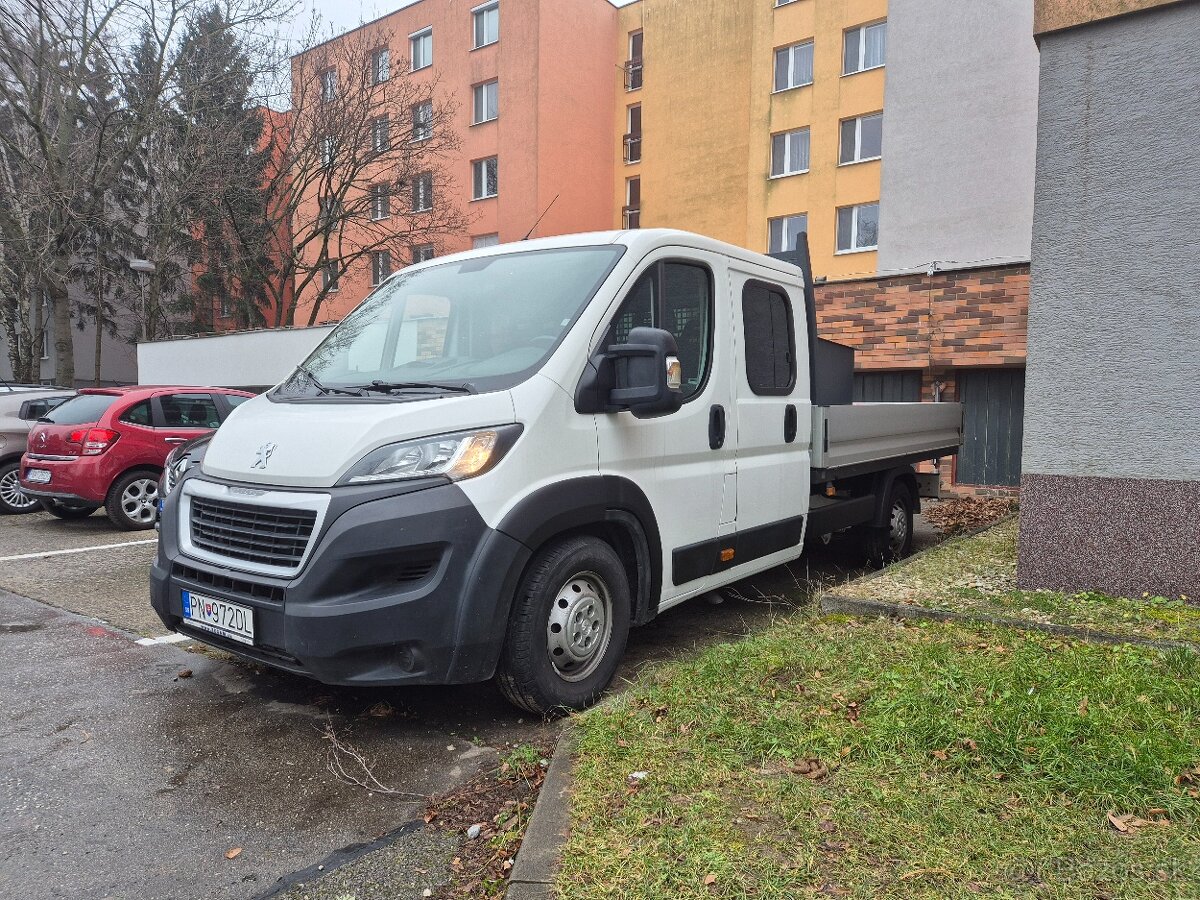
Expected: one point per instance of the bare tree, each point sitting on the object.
(358, 166)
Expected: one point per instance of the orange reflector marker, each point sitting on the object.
(727, 554)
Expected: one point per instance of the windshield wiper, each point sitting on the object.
(387, 387)
(322, 388)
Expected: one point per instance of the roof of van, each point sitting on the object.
(643, 240)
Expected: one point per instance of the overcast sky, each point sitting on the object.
(341, 15)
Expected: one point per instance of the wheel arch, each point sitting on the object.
(883, 488)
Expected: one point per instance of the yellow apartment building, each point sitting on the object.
(752, 120)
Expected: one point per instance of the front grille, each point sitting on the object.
(257, 534)
(225, 586)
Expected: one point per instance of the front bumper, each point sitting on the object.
(402, 585)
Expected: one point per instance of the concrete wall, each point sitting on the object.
(242, 359)
(960, 124)
(1111, 486)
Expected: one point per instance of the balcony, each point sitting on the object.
(633, 74)
(633, 147)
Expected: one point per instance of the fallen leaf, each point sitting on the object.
(233, 852)
(381, 710)
(941, 754)
(710, 878)
(825, 826)
(1083, 706)
(1121, 823)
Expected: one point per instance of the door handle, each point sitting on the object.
(716, 428)
(174, 440)
(789, 424)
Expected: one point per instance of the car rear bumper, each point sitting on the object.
(408, 588)
(75, 479)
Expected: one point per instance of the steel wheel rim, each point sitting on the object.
(11, 493)
(580, 626)
(138, 500)
(899, 526)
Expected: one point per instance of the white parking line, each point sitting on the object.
(173, 638)
(46, 553)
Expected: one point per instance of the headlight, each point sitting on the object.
(454, 456)
(179, 461)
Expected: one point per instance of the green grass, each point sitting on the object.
(963, 762)
(977, 575)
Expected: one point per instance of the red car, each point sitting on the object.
(106, 447)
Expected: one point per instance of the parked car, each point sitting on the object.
(107, 446)
(21, 405)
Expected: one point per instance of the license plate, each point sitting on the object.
(38, 476)
(230, 620)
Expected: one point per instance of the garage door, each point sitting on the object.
(887, 387)
(993, 411)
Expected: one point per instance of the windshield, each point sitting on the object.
(82, 409)
(479, 324)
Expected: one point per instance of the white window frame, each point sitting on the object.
(478, 91)
(378, 277)
(482, 10)
(328, 151)
(423, 253)
(635, 63)
(862, 48)
(381, 73)
(381, 133)
(779, 3)
(480, 241)
(427, 132)
(413, 44)
(790, 51)
(788, 137)
(422, 197)
(479, 177)
(328, 80)
(330, 277)
(854, 248)
(380, 202)
(630, 210)
(630, 139)
(784, 219)
(858, 127)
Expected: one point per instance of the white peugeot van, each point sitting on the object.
(502, 460)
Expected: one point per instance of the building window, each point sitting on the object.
(421, 49)
(381, 266)
(865, 48)
(633, 137)
(862, 139)
(327, 151)
(329, 277)
(631, 215)
(484, 240)
(783, 2)
(487, 102)
(789, 153)
(380, 65)
(793, 66)
(381, 134)
(857, 228)
(328, 85)
(422, 121)
(485, 178)
(422, 253)
(785, 231)
(329, 210)
(381, 202)
(487, 24)
(633, 67)
(422, 192)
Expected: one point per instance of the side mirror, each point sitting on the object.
(648, 377)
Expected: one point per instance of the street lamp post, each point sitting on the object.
(143, 267)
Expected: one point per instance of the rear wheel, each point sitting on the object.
(568, 628)
(64, 509)
(895, 539)
(12, 498)
(132, 501)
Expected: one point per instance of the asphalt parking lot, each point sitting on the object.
(125, 780)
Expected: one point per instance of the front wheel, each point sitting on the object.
(568, 628)
(70, 511)
(132, 502)
(12, 498)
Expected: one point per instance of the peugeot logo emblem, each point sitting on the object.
(264, 454)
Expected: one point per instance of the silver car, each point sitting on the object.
(21, 405)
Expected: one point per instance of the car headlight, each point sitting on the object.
(455, 456)
(178, 462)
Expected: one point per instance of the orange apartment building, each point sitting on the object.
(531, 81)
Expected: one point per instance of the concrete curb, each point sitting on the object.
(853, 606)
(537, 862)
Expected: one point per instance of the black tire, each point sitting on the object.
(893, 541)
(568, 581)
(12, 499)
(66, 510)
(132, 501)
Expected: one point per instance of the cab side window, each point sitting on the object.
(676, 297)
(770, 339)
(138, 414)
(189, 411)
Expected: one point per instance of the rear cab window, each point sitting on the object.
(770, 339)
(82, 409)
